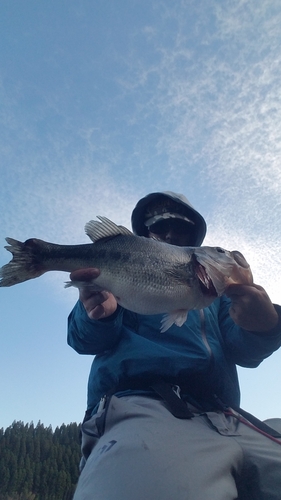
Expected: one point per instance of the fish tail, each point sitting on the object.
(25, 264)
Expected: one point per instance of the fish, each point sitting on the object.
(145, 275)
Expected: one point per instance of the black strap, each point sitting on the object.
(257, 423)
(175, 404)
(248, 416)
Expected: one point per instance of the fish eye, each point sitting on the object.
(220, 250)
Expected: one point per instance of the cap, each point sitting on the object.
(163, 205)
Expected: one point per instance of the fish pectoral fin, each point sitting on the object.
(90, 285)
(177, 317)
(104, 229)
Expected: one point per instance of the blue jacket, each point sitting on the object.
(201, 356)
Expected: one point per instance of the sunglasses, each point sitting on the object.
(165, 225)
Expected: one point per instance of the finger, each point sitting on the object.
(97, 313)
(87, 274)
(235, 289)
(92, 298)
(106, 306)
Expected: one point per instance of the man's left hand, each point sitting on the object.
(251, 308)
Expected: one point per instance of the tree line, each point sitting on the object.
(37, 463)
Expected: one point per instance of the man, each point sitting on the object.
(165, 425)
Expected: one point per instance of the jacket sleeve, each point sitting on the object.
(245, 348)
(89, 336)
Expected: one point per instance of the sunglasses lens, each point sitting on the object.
(165, 225)
(160, 227)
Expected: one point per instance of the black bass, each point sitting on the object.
(146, 276)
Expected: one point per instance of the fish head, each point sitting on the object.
(218, 268)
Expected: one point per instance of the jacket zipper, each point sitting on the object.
(203, 332)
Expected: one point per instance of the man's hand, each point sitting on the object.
(98, 305)
(251, 308)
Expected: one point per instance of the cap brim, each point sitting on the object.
(166, 215)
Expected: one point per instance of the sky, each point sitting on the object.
(102, 103)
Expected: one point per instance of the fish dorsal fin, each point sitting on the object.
(104, 229)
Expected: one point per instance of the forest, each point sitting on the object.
(37, 463)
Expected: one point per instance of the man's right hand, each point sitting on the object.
(98, 305)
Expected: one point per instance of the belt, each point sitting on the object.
(168, 392)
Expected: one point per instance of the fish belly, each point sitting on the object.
(146, 277)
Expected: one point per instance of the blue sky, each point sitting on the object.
(103, 102)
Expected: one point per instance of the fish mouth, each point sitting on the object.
(205, 281)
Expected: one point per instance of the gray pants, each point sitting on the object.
(140, 451)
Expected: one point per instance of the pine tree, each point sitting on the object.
(37, 463)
